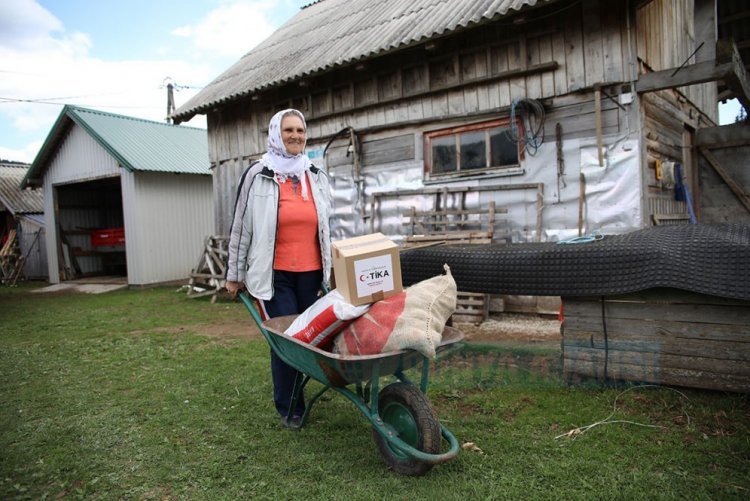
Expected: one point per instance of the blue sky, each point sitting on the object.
(115, 56)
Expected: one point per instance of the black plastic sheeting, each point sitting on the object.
(711, 259)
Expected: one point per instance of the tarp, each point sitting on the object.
(711, 259)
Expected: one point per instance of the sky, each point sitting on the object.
(117, 56)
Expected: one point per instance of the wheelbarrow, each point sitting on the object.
(405, 426)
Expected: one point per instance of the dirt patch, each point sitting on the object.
(227, 329)
(506, 329)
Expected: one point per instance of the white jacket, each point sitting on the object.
(252, 241)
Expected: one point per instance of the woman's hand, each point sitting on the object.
(234, 287)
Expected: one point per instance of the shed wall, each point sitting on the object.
(33, 248)
(167, 218)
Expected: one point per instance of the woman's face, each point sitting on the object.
(293, 134)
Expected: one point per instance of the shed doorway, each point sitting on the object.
(90, 229)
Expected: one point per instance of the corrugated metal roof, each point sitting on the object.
(332, 33)
(137, 144)
(12, 197)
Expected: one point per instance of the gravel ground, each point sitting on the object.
(515, 328)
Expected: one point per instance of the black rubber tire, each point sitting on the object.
(407, 398)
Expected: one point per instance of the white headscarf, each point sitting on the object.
(278, 159)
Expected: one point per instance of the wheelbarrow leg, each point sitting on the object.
(300, 381)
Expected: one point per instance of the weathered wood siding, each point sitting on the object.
(662, 336)
(729, 147)
(667, 39)
(464, 78)
(666, 31)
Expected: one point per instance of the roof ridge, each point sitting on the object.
(75, 108)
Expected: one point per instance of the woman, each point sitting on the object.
(279, 247)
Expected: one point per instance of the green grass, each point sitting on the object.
(124, 396)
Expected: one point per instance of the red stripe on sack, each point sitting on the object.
(318, 324)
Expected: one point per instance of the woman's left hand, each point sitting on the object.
(234, 287)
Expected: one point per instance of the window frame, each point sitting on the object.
(456, 131)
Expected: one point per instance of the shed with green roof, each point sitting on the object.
(123, 196)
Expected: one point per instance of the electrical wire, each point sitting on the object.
(532, 113)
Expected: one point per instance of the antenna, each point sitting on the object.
(169, 83)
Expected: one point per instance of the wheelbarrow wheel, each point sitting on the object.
(407, 412)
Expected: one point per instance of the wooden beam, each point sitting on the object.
(727, 67)
(736, 188)
(692, 74)
(598, 120)
(737, 79)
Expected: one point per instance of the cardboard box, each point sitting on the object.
(367, 268)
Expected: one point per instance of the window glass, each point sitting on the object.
(503, 150)
(473, 150)
(444, 154)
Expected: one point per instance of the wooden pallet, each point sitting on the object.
(208, 278)
(472, 307)
(464, 226)
(453, 227)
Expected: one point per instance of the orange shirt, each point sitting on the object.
(297, 246)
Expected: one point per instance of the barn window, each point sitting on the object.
(471, 149)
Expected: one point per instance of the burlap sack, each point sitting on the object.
(414, 319)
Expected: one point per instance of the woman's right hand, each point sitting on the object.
(234, 287)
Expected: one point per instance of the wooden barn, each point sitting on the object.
(547, 119)
(123, 197)
(572, 116)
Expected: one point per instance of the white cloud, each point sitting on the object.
(45, 63)
(232, 29)
(25, 23)
(27, 154)
(42, 61)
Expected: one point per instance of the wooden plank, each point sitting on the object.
(575, 70)
(691, 74)
(467, 212)
(707, 314)
(667, 376)
(658, 359)
(598, 119)
(660, 342)
(736, 188)
(635, 328)
(592, 42)
(388, 150)
(533, 82)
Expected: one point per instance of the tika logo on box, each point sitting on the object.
(374, 274)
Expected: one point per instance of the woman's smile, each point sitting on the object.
(293, 134)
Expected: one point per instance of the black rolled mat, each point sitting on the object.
(711, 259)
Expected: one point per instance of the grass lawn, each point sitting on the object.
(146, 394)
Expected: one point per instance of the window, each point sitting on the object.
(471, 149)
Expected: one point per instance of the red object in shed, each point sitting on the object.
(108, 237)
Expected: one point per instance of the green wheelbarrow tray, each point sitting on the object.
(398, 427)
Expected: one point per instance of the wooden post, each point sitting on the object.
(598, 105)
(581, 202)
